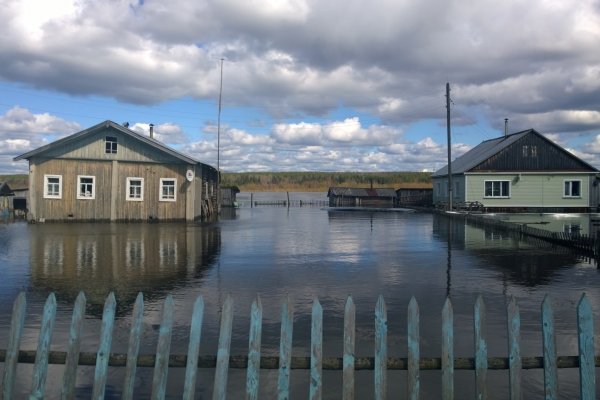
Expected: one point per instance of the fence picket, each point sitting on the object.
(72, 360)
(191, 369)
(163, 350)
(40, 368)
(514, 349)
(285, 350)
(380, 350)
(316, 356)
(447, 351)
(480, 349)
(222, 368)
(101, 372)
(413, 349)
(134, 347)
(14, 342)
(349, 344)
(549, 345)
(585, 327)
(253, 373)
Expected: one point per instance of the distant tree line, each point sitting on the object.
(321, 181)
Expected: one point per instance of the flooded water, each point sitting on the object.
(302, 253)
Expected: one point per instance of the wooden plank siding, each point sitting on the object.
(132, 156)
(107, 363)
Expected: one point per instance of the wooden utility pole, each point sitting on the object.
(449, 147)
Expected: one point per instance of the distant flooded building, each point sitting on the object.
(361, 197)
(523, 171)
(111, 173)
(228, 196)
(6, 196)
(421, 197)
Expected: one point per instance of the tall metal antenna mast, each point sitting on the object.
(449, 146)
(219, 125)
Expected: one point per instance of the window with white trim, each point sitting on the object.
(572, 189)
(110, 145)
(135, 189)
(167, 189)
(497, 189)
(86, 187)
(53, 186)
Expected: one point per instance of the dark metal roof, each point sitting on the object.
(108, 124)
(361, 192)
(489, 148)
(5, 190)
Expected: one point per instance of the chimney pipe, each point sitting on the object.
(505, 127)
(151, 131)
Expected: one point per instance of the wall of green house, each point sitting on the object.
(530, 190)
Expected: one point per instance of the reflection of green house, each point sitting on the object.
(523, 171)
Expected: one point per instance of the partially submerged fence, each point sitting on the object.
(162, 360)
(589, 245)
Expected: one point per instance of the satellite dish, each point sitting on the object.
(189, 175)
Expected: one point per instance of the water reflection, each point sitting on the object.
(527, 262)
(123, 258)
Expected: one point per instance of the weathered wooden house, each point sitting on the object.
(361, 197)
(111, 173)
(523, 171)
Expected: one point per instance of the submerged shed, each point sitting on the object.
(6, 195)
(361, 197)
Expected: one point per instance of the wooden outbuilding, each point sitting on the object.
(228, 196)
(6, 195)
(111, 173)
(523, 171)
(361, 197)
(421, 197)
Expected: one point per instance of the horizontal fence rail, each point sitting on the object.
(586, 360)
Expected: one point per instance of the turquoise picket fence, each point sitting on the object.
(253, 362)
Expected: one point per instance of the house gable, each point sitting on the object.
(532, 152)
(91, 144)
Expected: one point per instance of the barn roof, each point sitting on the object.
(491, 147)
(361, 192)
(5, 190)
(103, 125)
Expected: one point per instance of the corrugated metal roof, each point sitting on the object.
(480, 153)
(489, 148)
(361, 192)
(108, 124)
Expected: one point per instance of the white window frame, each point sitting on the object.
(47, 194)
(492, 196)
(80, 194)
(128, 192)
(568, 189)
(161, 196)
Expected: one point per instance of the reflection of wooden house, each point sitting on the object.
(124, 259)
(228, 196)
(360, 197)
(111, 173)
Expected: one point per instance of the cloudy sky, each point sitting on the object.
(336, 85)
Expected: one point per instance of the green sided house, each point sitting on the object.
(111, 173)
(520, 172)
